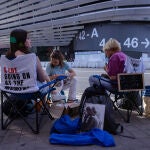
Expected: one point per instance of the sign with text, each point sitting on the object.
(133, 37)
(19, 74)
(15, 81)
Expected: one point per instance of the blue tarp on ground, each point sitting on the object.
(66, 131)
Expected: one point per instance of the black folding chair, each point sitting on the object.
(130, 86)
(128, 89)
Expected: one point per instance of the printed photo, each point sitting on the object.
(93, 116)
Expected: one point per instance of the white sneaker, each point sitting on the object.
(57, 97)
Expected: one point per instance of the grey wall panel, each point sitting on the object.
(49, 19)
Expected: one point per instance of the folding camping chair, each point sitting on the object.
(130, 85)
(18, 79)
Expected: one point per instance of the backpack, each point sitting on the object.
(95, 95)
(25, 107)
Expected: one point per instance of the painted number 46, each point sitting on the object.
(131, 42)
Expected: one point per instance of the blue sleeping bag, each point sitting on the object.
(66, 131)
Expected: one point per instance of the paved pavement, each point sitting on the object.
(19, 137)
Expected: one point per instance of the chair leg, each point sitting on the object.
(122, 116)
(45, 109)
(133, 104)
(36, 129)
(2, 117)
(37, 122)
(5, 123)
(129, 112)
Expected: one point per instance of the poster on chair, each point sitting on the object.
(93, 116)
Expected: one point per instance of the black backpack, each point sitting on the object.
(96, 95)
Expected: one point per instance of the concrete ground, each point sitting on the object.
(136, 133)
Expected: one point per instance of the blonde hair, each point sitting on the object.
(113, 45)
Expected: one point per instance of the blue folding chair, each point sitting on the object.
(19, 81)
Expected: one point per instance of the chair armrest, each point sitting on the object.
(97, 76)
(105, 79)
(59, 78)
(62, 77)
